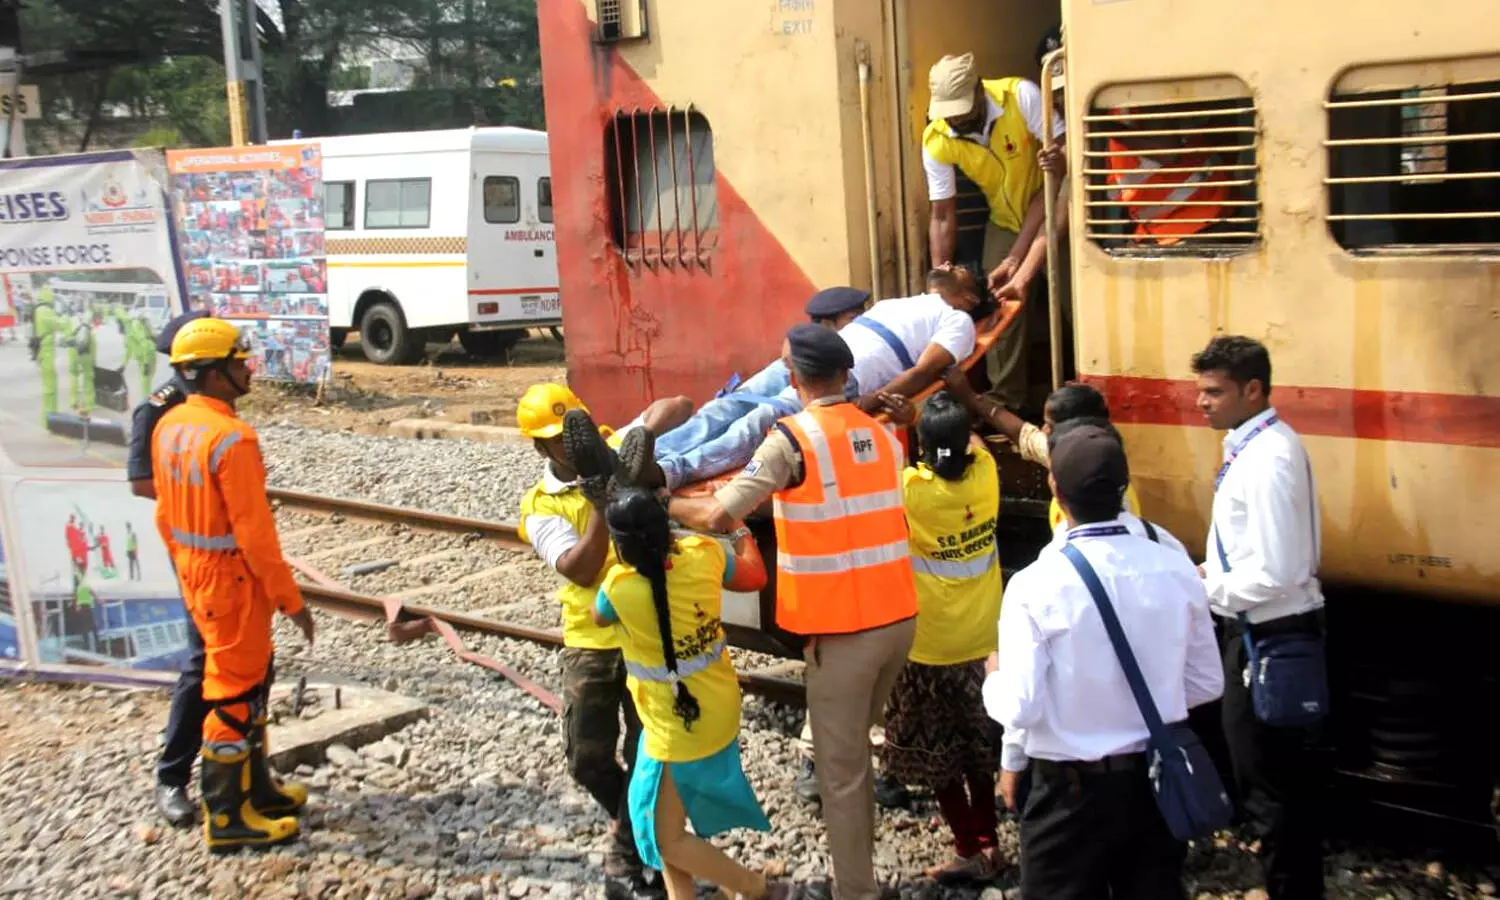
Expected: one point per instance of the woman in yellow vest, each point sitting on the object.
(936, 730)
(666, 596)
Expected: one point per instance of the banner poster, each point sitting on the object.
(251, 220)
(88, 278)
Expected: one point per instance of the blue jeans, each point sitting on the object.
(724, 433)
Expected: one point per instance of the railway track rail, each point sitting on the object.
(409, 621)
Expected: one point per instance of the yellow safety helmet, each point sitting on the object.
(541, 410)
(44, 294)
(208, 340)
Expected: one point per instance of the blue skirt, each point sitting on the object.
(714, 790)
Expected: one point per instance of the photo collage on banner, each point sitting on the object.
(251, 225)
(87, 281)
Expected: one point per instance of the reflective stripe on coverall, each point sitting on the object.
(214, 517)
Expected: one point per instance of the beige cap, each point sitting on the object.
(952, 81)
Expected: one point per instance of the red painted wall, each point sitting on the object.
(636, 335)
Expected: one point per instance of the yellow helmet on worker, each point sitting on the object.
(541, 410)
(208, 340)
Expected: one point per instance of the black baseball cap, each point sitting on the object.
(1089, 466)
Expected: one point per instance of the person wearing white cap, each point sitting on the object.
(990, 129)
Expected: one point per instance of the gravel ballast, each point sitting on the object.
(475, 801)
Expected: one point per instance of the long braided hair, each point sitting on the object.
(643, 539)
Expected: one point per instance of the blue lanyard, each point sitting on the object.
(1239, 448)
(1111, 530)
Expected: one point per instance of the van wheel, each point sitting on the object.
(490, 343)
(384, 337)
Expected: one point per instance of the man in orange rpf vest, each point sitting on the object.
(214, 517)
(843, 578)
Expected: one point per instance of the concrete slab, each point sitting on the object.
(440, 429)
(364, 715)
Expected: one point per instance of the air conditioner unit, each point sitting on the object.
(619, 20)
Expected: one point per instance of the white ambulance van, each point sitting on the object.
(433, 234)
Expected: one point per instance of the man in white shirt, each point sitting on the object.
(990, 129)
(900, 346)
(1090, 827)
(1263, 562)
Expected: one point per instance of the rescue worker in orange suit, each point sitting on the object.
(1166, 202)
(843, 579)
(217, 524)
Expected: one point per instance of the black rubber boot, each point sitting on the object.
(230, 820)
(586, 450)
(270, 795)
(637, 457)
(174, 805)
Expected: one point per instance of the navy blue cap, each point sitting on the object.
(830, 302)
(1088, 464)
(168, 334)
(818, 352)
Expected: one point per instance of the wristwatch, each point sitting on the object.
(738, 533)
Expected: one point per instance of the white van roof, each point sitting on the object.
(503, 138)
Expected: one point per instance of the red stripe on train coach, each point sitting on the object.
(1406, 416)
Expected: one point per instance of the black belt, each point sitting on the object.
(1120, 762)
(1302, 623)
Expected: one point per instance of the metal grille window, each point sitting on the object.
(619, 20)
(1414, 157)
(1170, 169)
(544, 199)
(398, 203)
(660, 167)
(502, 199)
(338, 205)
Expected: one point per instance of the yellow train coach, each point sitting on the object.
(1342, 164)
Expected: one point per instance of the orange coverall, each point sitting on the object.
(213, 514)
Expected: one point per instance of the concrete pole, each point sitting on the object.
(242, 72)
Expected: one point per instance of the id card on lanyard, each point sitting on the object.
(1312, 502)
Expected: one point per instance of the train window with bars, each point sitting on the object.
(544, 199)
(660, 168)
(338, 205)
(1414, 157)
(398, 203)
(1170, 169)
(502, 199)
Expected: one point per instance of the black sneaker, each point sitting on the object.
(806, 786)
(637, 457)
(889, 793)
(585, 448)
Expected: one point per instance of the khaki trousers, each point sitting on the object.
(849, 679)
(1006, 363)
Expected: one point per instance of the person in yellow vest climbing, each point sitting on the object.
(991, 130)
(666, 594)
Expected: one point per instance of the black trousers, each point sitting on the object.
(1097, 835)
(1275, 772)
(184, 734)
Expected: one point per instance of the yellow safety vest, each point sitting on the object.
(1006, 169)
(1132, 506)
(695, 596)
(954, 561)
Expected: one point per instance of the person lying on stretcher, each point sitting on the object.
(900, 346)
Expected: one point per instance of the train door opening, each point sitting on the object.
(1006, 39)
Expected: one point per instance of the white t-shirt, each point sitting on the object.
(916, 322)
(942, 183)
